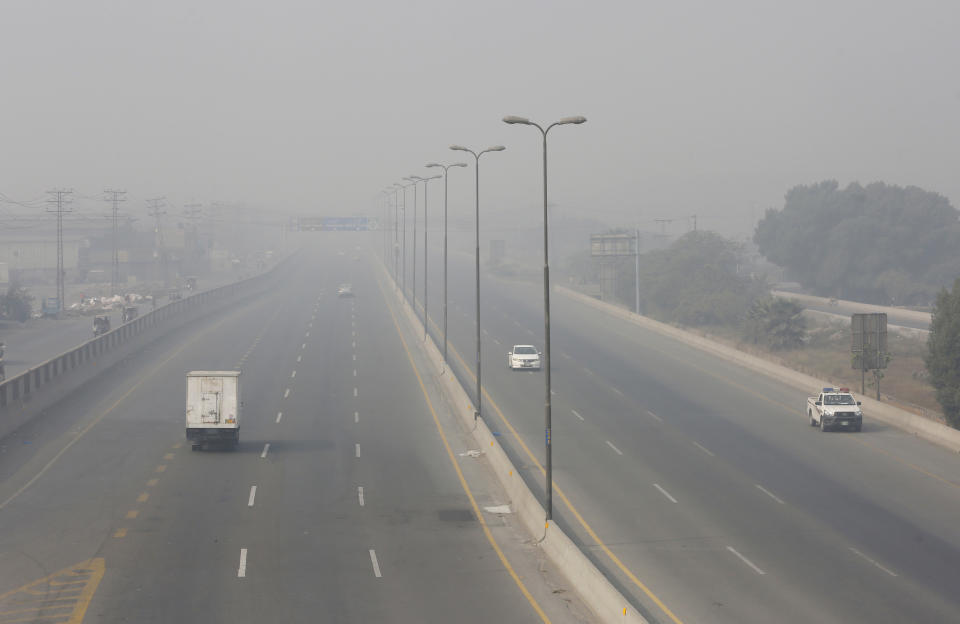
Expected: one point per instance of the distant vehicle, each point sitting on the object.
(835, 408)
(101, 325)
(523, 357)
(345, 290)
(50, 306)
(129, 313)
(191, 282)
(213, 408)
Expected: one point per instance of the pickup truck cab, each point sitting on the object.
(835, 408)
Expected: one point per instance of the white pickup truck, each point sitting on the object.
(213, 408)
(835, 408)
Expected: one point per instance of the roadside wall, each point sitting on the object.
(902, 419)
(26, 395)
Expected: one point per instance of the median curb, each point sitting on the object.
(911, 423)
(597, 592)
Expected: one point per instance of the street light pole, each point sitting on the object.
(426, 283)
(476, 157)
(413, 182)
(548, 415)
(445, 168)
(403, 242)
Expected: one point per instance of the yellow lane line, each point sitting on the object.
(120, 533)
(160, 468)
(143, 497)
(168, 456)
(88, 574)
(152, 482)
(463, 481)
(132, 514)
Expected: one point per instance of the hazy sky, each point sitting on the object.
(714, 108)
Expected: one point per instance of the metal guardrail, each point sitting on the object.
(20, 388)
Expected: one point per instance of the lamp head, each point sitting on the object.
(579, 119)
(513, 119)
(459, 148)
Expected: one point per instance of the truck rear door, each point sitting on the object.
(211, 398)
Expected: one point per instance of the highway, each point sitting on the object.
(351, 497)
(699, 487)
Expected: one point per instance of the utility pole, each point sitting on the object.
(192, 213)
(115, 197)
(61, 199)
(694, 217)
(155, 208)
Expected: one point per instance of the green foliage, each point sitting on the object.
(943, 357)
(880, 243)
(16, 304)
(695, 281)
(776, 322)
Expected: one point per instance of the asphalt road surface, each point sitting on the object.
(341, 504)
(700, 487)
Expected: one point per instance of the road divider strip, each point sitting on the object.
(596, 590)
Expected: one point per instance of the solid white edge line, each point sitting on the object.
(360, 494)
(769, 493)
(242, 570)
(652, 415)
(279, 416)
(577, 414)
(357, 445)
(615, 449)
(665, 493)
(253, 495)
(746, 561)
(266, 447)
(704, 449)
(376, 565)
(860, 554)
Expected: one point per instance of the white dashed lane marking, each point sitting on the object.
(376, 565)
(279, 416)
(665, 493)
(769, 493)
(266, 447)
(745, 560)
(242, 570)
(360, 495)
(866, 558)
(357, 448)
(577, 414)
(615, 449)
(253, 495)
(704, 449)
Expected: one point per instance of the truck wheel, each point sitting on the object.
(858, 427)
(823, 425)
(813, 423)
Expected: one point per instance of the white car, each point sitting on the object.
(523, 357)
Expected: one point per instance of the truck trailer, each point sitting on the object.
(213, 408)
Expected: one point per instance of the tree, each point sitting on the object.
(16, 304)
(776, 322)
(943, 357)
(879, 243)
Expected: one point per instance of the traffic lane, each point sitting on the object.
(65, 515)
(441, 537)
(205, 512)
(575, 393)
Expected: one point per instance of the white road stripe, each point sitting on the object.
(745, 560)
(704, 449)
(308, 334)
(303, 346)
(357, 445)
(354, 372)
(360, 495)
(577, 414)
(497, 341)
(286, 393)
(293, 374)
(652, 415)
(615, 449)
(299, 357)
(486, 333)
(376, 566)
(354, 392)
(665, 493)
(354, 344)
(356, 417)
(253, 495)
(617, 390)
(530, 331)
(266, 447)
(354, 357)
(242, 570)
(860, 554)
(769, 493)
(279, 416)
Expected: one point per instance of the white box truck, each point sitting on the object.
(213, 408)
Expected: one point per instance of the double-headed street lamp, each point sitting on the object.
(476, 157)
(413, 182)
(426, 284)
(512, 119)
(396, 232)
(403, 242)
(445, 168)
